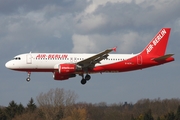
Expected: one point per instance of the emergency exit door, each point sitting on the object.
(139, 60)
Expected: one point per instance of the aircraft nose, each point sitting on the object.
(8, 65)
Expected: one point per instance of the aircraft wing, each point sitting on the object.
(91, 61)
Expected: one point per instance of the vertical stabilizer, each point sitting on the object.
(157, 46)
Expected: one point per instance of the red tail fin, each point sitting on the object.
(157, 46)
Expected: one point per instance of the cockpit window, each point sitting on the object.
(17, 58)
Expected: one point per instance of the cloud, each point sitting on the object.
(34, 27)
(95, 42)
(83, 43)
(61, 21)
(116, 18)
(63, 6)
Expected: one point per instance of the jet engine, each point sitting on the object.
(67, 68)
(59, 76)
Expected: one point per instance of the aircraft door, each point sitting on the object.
(29, 58)
(73, 59)
(139, 60)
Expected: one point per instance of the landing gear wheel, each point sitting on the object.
(28, 79)
(83, 81)
(87, 77)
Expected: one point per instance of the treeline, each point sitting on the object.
(58, 104)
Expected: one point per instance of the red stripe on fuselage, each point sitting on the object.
(122, 66)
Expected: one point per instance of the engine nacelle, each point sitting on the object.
(59, 76)
(67, 68)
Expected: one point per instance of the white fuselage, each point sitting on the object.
(45, 61)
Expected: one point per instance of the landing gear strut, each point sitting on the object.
(85, 79)
(28, 78)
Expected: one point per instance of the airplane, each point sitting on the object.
(68, 65)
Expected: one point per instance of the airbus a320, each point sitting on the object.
(68, 65)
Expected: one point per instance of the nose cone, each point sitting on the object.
(8, 65)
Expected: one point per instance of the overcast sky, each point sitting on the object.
(89, 26)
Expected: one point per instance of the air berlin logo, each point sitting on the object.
(69, 68)
(51, 56)
(156, 40)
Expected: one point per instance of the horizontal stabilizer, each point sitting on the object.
(163, 57)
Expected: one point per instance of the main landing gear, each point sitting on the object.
(85, 79)
(28, 78)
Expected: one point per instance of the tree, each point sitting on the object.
(169, 116)
(14, 109)
(158, 118)
(132, 117)
(56, 103)
(31, 106)
(148, 115)
(2, 114)
(177, 117)
(77, 114)
(20, 109)
(11, 110)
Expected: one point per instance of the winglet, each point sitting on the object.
(114, 49)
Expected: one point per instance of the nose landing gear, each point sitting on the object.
(28, 78)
